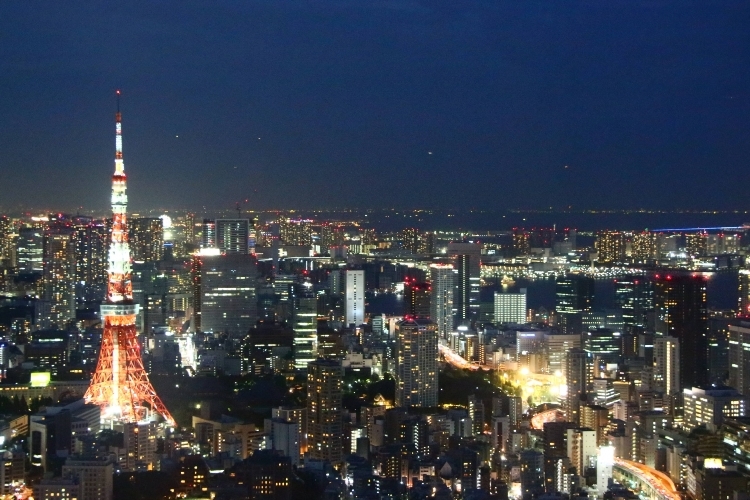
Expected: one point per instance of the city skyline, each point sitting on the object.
(279, 103)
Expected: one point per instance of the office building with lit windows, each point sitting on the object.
(443, 281)
(228, 301)
(468, 265)
(510, 307)
(416, 363)
(710, 405)
(233, 236)
(739, 356)
(305, 324)
(681, 312)
(355, 297)
(666, 375)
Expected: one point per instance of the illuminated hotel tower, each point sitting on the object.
(120, 385)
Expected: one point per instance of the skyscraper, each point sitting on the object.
(325, 379)
(232, 235)
(635, 295)
(681, 312)
(739, 356)
(667, 365)
(305, 324)
(468, 266)
(120, 385)
(30, 250)
(610, 246)
(228, 300)
(441, 301)
(574, 295)
(146, 238)
(208, 234)
(91, 245)
(417, 298)
(355, 297)
(416, 363)
(578, 376)
(59, 272)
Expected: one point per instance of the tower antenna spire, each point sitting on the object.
(120, 385)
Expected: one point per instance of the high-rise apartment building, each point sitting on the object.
(681, 312)
(295, 232)
(442, 279)
(696, 244)
(644, 248)
(6, 238)
(325, 379)
(416, 363)
(510, 307)
(355, 297)
(578, 378)
(417, 297)
(582, 448)
(610, 246)
(59, 273)
(468, 280)
(91, 248)
(146, 238)
(233, 235)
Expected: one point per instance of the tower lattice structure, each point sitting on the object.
(120, 385)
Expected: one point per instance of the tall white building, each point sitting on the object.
(443, 280)
(510, 307)
(416, 363)
(667, 365)
(582, 449)
(355, 297)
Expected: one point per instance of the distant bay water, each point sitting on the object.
(721, 293)
(468, 220)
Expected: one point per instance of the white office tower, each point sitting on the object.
(355, 297)
(441, 301)
(604, 463)
(667, 365)
(510, 307)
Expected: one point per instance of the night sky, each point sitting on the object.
(365, 103)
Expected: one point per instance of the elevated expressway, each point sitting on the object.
(650, 483)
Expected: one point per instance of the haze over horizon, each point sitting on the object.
(377, 104)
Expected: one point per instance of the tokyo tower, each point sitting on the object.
(120, 385)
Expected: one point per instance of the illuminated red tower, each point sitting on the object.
(120, 385)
